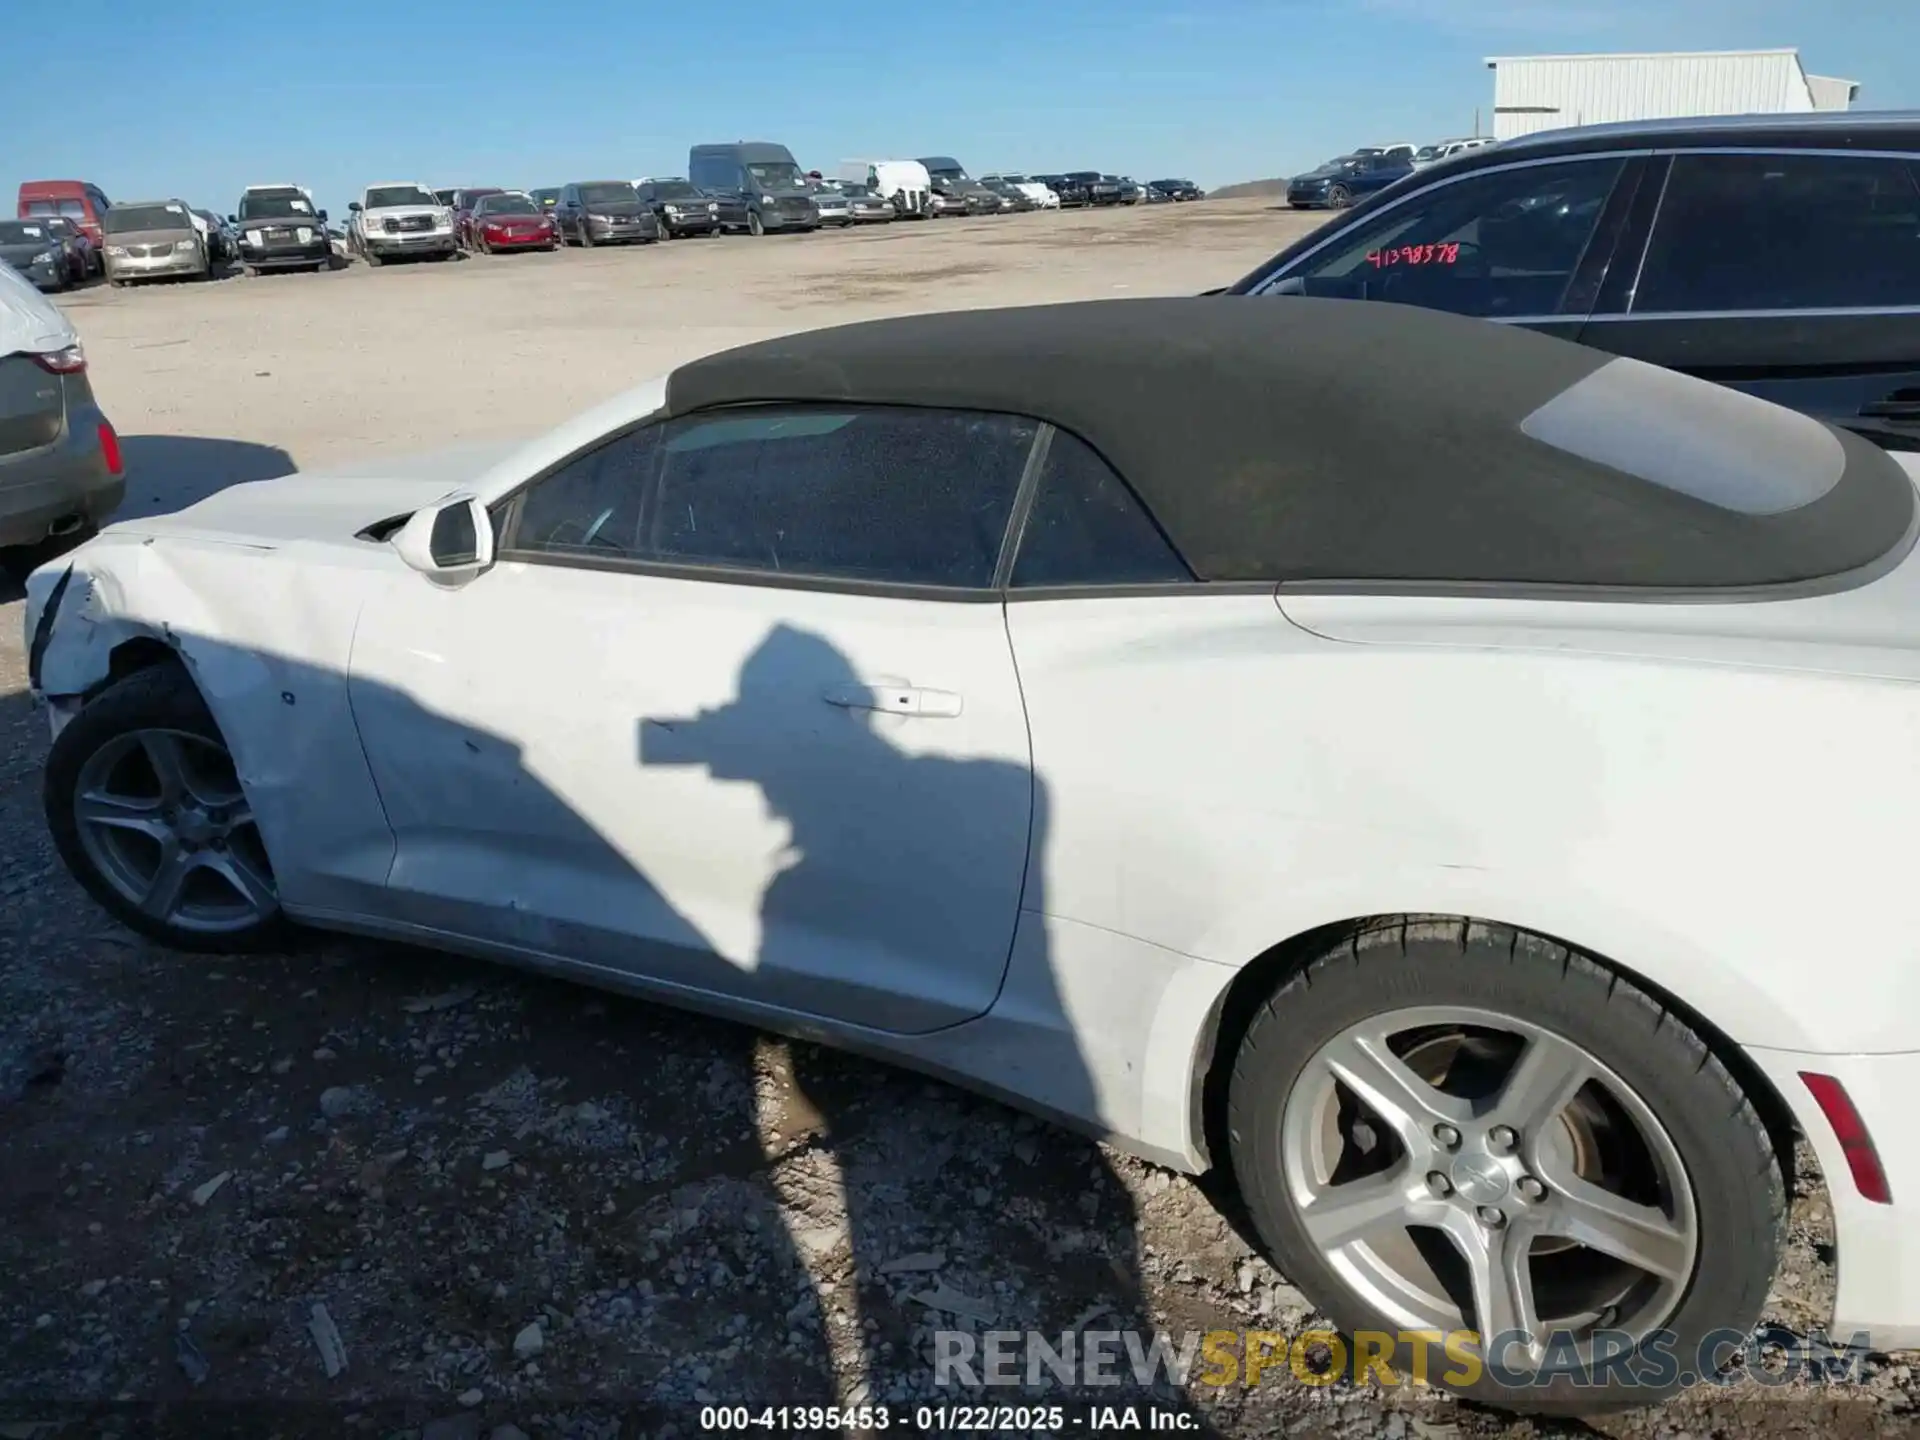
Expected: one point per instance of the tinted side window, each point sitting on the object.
(1500, 244)
(883, 494)
(1086, 527)
(886, 494)
(1784, 232)
(592, 504)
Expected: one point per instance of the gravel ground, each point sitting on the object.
(358, 1189)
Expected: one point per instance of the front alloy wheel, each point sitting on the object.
(1444, 1127)
(148, 813)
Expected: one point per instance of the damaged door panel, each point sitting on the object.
(662, 777)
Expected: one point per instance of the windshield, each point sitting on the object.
(391, 195)
(17, 232)
(547, 197)
(610, 193)
(506, 205)
(777, 175)
(126, 219)
(948, 172)
(674, 190)
(1428, 152)
(275, 205)
(855, 192)
(77, 209)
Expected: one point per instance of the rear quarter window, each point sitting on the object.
(1784, 232)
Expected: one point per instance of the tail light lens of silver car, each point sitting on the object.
(70, 361)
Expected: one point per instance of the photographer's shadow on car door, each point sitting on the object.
(802, 737)
(928, 1217)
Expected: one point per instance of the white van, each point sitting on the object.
(904, 182)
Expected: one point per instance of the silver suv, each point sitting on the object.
(60, 467)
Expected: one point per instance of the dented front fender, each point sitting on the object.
(267, 638)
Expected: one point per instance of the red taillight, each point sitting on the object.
(70, 361)
(1851, 1131)
(110, 448)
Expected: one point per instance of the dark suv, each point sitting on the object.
(1777, 254)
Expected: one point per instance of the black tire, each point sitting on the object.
(755, 226)
(1339, 197)
(160, 695)
(586, 236)
(373, 260)
(1739, 1190)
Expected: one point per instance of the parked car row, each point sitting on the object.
(1339, 182)
(68, 231)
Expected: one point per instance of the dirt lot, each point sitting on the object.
(520, 1204)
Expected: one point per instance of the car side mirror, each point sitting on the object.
(322, 217)
(233, 219)
(450, 542)
(353, 205)
(1292, 285)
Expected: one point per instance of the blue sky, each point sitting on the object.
(197, 98)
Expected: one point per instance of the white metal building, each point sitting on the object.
(1547, 92)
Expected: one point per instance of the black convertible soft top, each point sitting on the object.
(1291, 439)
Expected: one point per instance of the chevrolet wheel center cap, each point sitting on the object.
(1479, 1179)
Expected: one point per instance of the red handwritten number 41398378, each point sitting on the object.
(1447, 254)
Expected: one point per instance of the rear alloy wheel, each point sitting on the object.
(146, 809)
(1445, 1126)
(1339, 197)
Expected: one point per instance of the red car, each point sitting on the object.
(461, 203)
(511, 220)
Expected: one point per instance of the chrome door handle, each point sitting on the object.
(896, 700)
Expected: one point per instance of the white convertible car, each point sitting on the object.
(1461, 782)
